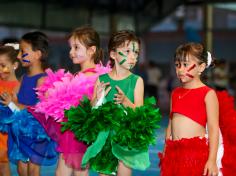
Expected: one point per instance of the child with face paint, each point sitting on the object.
(122, 87)
(193, 106)
(8, 85)
(28, 145)
(85, 50)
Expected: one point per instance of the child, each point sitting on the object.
(122, 87)
(8, 84)
(29, 146)
(85, 51)
(66, 91)
(187, 151)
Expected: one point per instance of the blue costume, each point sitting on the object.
(27, 139)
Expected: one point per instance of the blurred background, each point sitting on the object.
(162, 25)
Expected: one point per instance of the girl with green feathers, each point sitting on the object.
(122, 86)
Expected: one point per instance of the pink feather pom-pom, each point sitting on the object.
(49, 81)
(62, 90)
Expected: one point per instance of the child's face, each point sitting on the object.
(189, 70)
(78, 52)
(7, 68)
(26, 55)
(127, 54)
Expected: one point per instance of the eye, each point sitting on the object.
(185, 64)
(177, 65)
(136, 52)
(127, 51)
(76, 47)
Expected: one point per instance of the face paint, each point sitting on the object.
(192, 67)
(124, 60)
(23, 56)
(6, 70)
(189, 75)
(133, 47)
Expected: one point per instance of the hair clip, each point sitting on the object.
(16, 46)
(209, 59)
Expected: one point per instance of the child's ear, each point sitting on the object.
(38, 54)
(92, 50)
(202, 67)
(15, 65)
(113, 55)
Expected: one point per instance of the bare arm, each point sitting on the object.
(40, 81)
(212, 108)
(168, 130)
(138, 95)
(139, 92)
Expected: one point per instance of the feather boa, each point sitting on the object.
(62, 90)
(227, 119)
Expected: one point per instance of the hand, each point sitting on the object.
(120, 96)
(210, 168)
(5, 98)
(102, 87)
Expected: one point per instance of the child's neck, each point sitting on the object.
(86, 65)
(35, 70)
(11, 78)
(192, 84)
(119, 73)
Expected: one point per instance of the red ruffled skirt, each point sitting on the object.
(184, 157)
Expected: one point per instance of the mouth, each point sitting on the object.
(181, 76)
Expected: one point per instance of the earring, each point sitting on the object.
(14, 68)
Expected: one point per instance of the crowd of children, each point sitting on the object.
(98, 119)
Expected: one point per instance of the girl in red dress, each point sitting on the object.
(193, 106)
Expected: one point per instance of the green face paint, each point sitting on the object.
(123, 61)
(124, 56)
(133, 46)
(121, 54)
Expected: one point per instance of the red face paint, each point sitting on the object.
(192, 67)
(189, 75)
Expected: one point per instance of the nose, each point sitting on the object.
(19, 55)
(133, 58)
(71, 52)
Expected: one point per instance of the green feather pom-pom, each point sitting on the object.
(131, 128)
(138, 128)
